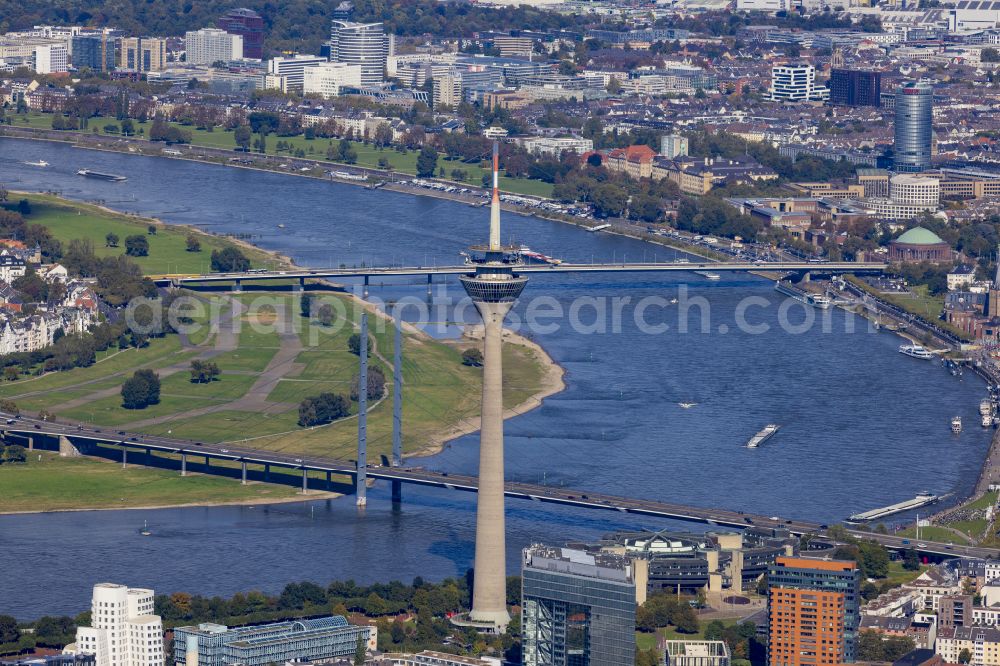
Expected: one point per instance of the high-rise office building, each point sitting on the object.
(362, 44)
(855, 87)
(578, 607)
(50, 58)
(796, 83)
(96, 51)
(813, 611)
(914, 119)
(124, 631)
(210, 45)
(249, 25)
(143, 54)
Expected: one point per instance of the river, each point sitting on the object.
(863, 426)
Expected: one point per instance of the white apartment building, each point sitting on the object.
(447, 90)
(210, 45)
(363, 44)
(328, 78)
(125, 631)
(556, 146)
(983, 643)
(51, 58)
(769, 6)
(292, 70)
(796, 83)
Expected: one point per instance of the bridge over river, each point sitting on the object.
(230, 460)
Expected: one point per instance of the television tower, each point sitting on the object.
(493, 289)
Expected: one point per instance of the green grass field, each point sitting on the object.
(87, 483)
(368, 155)
(167, 247)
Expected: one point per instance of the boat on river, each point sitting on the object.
(916, 351)
(99, 175)
(765, 434)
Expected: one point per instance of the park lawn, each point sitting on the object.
(167, 247)
(228, 426)
(648, 641)
(368, 155)
(109, 411)
(973, 528)
(55, 483)
(296, 390)
(919, 303)
(987, 500)
(898, 575)
(254, 352)
(226, 387)
(931, 533)
(160, 352)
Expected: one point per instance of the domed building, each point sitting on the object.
(919, 244)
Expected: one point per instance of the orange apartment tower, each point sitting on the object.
(813, 611)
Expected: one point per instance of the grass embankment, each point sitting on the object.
(54, 483)
(168, 252)
(368, 155)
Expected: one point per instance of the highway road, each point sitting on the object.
(411, 271)
(26, 427)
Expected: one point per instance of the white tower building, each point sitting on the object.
(124, 630)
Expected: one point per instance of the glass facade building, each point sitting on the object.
(94, 51)
(914, 114)
(578, 608)
(217, 645)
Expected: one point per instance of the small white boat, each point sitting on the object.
(686, 405)
(956, 424)
(765, 434)
(281, 226)
(145, 529)
(916, 351)
(985, 407)
(708, 275)
(38, 163)
(987, 421)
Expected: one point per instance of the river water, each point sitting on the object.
(863, 426)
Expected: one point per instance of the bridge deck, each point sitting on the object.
(415, 475)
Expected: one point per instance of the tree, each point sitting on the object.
(360, 652)
(242, 136)
(136, 246)
(10, 373)
(346, 152)
(427, 162)
(151, 230)
(229, 260)
(325, 314)
(260, 143)
(128, 127)
(964, 657)
(321, 409)
(354, 344)
(911, 561)
(8, 406)
(111, 240)
(193, 244)
(305, 305)
(158, 130)
(24, 207)
(376, 384)
(15, 453)
(9, 633)
(472, 357)
(141, 390)
(685, 619)
(203, 372)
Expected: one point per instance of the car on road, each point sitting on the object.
(921, 545)
(224, 450)
(298, 460)
(906, 542)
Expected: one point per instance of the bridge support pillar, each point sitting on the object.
(329, 480)
(208, 461)
(805, 276)
(397, 492)
(364, 289)
(124, 457)
(397, 402)
(305, 481)
(238, 286)
(66, 448)
(430, 283)
(31, 443)
(243, 465)
(149, 456)
(184, 464)
(300, 286)
(267, 472)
